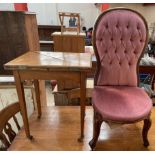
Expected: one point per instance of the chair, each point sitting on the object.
(5, 127)
(119, 39)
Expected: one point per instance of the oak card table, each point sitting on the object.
(45, 66)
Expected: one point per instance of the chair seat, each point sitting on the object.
(121, 103)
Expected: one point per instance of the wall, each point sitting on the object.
(147, 11)
(88, 12)
(48, 13)
(6, 6)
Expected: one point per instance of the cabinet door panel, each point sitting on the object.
(4, 46)
(67, 44)
(57, 43)
(81, 45)
(14, 39)
(74, 44)
(16, 33)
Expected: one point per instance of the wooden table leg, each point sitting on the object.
(42, 89)
(82, 103)
(21, 97)
(37, 91)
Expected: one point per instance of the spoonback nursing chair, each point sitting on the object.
(119, 39)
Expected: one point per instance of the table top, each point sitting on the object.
(51, 60)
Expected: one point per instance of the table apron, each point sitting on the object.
(49, 75)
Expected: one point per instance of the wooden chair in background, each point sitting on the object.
(5, 127)
(71, 15)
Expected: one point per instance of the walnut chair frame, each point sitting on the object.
(98, 119)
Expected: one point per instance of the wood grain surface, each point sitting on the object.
(40, 60)
(58, 129)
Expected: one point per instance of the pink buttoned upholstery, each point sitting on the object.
(121, 103)
(120, 39)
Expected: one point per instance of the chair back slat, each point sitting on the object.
(5, 127)
(16, 122)
(9, 131)
(5, 142)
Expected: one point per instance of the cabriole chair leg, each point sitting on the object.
(146, 127)
(96, 130)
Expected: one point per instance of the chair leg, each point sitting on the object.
(146, 127)
(96, 130)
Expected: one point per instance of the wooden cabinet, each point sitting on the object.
(18, 34)
(69, 42)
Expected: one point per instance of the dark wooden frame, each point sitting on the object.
(5, 115)
(98, 119)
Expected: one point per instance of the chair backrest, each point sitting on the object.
(119, 39)
(5, 127)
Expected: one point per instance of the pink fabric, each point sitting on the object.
(120, 39)
(121, 103)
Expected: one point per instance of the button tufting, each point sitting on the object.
(112, 39)
(141, 40)
(120, 63)
(125, 51)
(121, 39)
(106, 26)
(129, 64)
(115, 51)
(101, 39)
(127, 26)
(110, 62)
